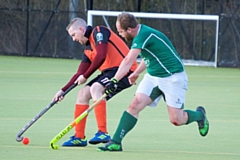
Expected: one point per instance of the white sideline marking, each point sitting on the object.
(24, 72)
(63, 73)
(142, 151)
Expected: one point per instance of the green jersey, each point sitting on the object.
(158, 53)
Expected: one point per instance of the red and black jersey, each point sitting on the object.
(107, 50)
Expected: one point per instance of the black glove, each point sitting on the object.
(111, 87)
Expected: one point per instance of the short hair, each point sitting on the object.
(77, 22)
(127, 20)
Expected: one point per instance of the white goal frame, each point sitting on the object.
(215, 18)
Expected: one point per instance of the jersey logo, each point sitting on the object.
(105, 80)
(99, 37)
(147, 62)
(135, 44)
(178, 101)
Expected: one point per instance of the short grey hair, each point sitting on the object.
(77, 23)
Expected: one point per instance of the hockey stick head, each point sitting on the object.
(53, 142)
(19, 139)
(73, 124)
(54, 146)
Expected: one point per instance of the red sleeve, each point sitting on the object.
(101, 52)
(81, 69)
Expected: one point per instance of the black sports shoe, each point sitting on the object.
(203, 124)
(111, 146)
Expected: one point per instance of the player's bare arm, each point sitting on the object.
(127, 63)
(141, 67)
(134, 76)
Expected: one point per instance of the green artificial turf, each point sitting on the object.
(29, 84)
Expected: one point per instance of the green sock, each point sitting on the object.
(193, 116)
(127, 122)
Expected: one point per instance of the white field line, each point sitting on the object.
(111, 119)
(24, 72)
(138, 151)
(24, 98)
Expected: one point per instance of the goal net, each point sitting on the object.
(195, 37)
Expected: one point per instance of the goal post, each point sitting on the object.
(215, 18)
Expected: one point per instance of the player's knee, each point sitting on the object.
(96, 87)
(134, 106)
(83, 96)
(175, 121)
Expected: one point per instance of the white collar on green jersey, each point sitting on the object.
(139, 28)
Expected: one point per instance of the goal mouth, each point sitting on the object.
(205, 58)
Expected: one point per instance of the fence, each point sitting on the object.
(37, 28)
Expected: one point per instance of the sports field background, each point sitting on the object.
(28, 85)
